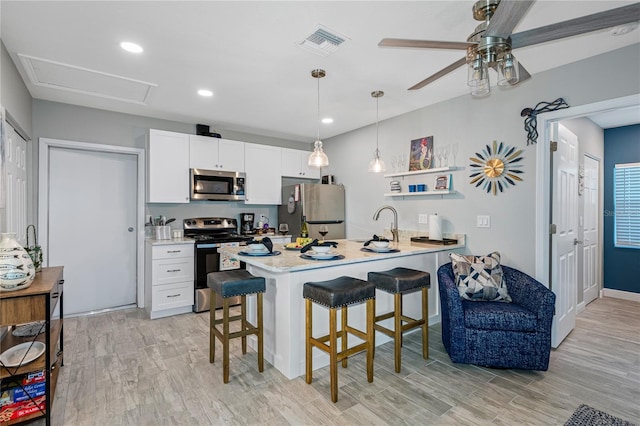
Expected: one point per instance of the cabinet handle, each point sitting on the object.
(174, 251)
(174, 295)
(173, 270)
(55, 295)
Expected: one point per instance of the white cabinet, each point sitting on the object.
(295, 164)
(167, 167)
(216, 154)
(168, 286)
(262, 166)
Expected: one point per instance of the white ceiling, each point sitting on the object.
(247, 53)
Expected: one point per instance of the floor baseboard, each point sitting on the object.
(619, 294)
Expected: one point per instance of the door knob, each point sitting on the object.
(130, 229)
(576, 242)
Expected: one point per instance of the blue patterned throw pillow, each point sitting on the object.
(480, 278)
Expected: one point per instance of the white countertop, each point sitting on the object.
(183, 240)
(290, 260)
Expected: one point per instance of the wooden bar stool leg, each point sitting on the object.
(344, 334)
(225, 340)
(371, 318)
(212, 321)
(397, 329)
(333, 353)
(243, 321)
(308, 349)
(425, 326)
(260, 334)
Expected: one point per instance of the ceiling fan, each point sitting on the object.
(491, 43)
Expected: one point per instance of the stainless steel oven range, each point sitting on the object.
(210, 234)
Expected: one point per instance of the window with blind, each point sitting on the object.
(626, 195)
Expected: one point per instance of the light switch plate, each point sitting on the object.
(483, 221)
(423, 218)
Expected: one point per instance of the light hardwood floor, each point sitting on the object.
(122, 369)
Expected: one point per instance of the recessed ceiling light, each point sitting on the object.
(131, 47)
(205, 92)
(327, 120)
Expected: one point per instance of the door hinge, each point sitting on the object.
(552, 229)
(553, 146)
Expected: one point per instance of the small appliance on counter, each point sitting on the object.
(246, 223)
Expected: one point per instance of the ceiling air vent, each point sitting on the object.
(56, 75)
(323, 41)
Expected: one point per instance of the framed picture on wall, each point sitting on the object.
(443, 182)
(421, 154)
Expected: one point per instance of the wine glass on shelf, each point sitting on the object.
(393, 163)
(439, 155)
(283, 228)
(454, 152)
(324, 230)
(445, 155)
(402, 163)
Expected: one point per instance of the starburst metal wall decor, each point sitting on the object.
(496, 167)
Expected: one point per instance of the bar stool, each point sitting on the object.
(334, 294)
(229, 284)
(399, 281)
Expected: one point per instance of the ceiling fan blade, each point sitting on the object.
(597, 21)
(507, 16)
(424, 44)
(439, 74)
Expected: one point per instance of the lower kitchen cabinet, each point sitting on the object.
(27, 312)
(168, 286)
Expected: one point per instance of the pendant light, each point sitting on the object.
(377, 165)
(318, 158)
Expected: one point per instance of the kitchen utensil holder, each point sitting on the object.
(162, 232)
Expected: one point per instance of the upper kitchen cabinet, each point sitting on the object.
(262, 166)
(167, 167)
(216, 154)
(295, 164)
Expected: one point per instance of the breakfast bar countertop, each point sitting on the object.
(290, 261)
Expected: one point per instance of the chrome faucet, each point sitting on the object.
(394, 225)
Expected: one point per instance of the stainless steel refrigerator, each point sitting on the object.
(320, 204)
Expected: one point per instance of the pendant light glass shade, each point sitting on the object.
(478, 80)
(377, 165)
(508, 70)
(318, 158)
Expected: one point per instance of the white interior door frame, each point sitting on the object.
(45, 145)
(543, 172)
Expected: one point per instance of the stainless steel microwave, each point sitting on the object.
(214, 185)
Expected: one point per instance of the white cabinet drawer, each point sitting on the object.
(167, 271)
(172, 251)
(170, 296)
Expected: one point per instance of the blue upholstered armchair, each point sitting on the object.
(498, 334)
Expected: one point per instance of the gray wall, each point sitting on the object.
(472, 123)
(74, 123)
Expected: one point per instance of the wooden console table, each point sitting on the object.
(36, 303)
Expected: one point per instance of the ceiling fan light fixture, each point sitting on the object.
(478, 80)
(508, 70)
(318, 158)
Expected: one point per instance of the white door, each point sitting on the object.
(92, 227)
(15, 161)
(591, 238)
(564, 214)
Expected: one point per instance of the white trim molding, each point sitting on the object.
(620, 294)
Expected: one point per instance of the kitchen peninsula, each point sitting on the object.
(286, 273)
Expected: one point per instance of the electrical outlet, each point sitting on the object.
(423, 218)
(483, 221)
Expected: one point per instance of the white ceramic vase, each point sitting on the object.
(16, 267)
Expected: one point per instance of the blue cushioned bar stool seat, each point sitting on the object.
(399, 281)
(229, 284)
(338, 294)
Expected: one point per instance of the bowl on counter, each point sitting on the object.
(321, 249)
(380, 244)
(257, 247)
